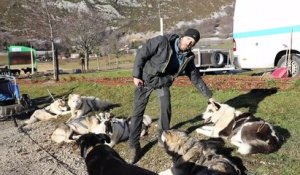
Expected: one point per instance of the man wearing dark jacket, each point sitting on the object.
(157, 64)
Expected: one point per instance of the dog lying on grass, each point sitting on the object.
(249, 133)
(70, 131)
(193, 157)
(82, 105)
(118, 129)
(54, 110)
(101, 159)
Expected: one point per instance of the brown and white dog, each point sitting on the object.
(54, 110)
(101, 159)
(249, 133)
(193, 157)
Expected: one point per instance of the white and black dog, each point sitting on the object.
(249, 133)
(101, 159)
(118, 128)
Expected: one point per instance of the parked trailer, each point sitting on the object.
(213, 60)
(265, 32)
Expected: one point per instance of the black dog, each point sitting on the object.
(101, 159)
(28, 70)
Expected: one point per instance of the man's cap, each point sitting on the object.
(193, 33)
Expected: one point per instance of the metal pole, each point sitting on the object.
(31, 55)
(161, 22)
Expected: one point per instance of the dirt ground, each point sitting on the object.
(32, 152)
(242, 83)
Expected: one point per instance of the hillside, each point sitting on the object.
(19, 19)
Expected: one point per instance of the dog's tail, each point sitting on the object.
(107, 106)
(267, 140)
(147, 120)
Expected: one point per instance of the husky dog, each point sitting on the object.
(70, 131)
(118, 129)
(55, 109)
(249, 133)
(101, 159)
(193, 157)
(82, 105)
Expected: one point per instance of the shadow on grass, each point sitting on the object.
(251, 99)
(284, 134)
(192, 128)
(44, 101)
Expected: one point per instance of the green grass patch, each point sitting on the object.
(280, 108)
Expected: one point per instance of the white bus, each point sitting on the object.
(265, 32)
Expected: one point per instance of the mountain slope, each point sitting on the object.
(212, 17)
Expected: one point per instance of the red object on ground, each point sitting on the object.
(281, 72)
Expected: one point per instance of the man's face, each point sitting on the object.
(186, 43)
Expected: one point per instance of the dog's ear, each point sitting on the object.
(64, 97)
(217, 105)
(109, 128)
(82, 146)
(103, 138)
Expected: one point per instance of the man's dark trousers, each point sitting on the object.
(141, 97)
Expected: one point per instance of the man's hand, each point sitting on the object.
(138, 82)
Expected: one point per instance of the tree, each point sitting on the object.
(86, 32)
(54, 52)
(42, 24)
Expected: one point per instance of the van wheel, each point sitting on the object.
(295, 64)
(217, 59)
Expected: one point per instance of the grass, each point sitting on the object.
(108, 62)
(281, 108)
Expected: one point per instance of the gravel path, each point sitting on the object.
(32, 152)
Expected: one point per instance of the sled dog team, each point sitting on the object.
(97, 134)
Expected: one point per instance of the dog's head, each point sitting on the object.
(214, 111)
(218, 164)
(75, 101)
(105, 126)
(174, 140)
(88, 141)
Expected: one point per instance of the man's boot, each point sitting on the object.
(135, 154)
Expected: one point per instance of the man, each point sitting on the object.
(157, 64)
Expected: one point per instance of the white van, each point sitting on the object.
(264, 31)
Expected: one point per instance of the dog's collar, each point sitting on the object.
(90, 149)
(48, 111)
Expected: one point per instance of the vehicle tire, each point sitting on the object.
(295, 64)
(217, 59)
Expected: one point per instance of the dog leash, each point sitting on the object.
(66, 166)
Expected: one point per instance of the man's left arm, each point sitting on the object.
(194, 75)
